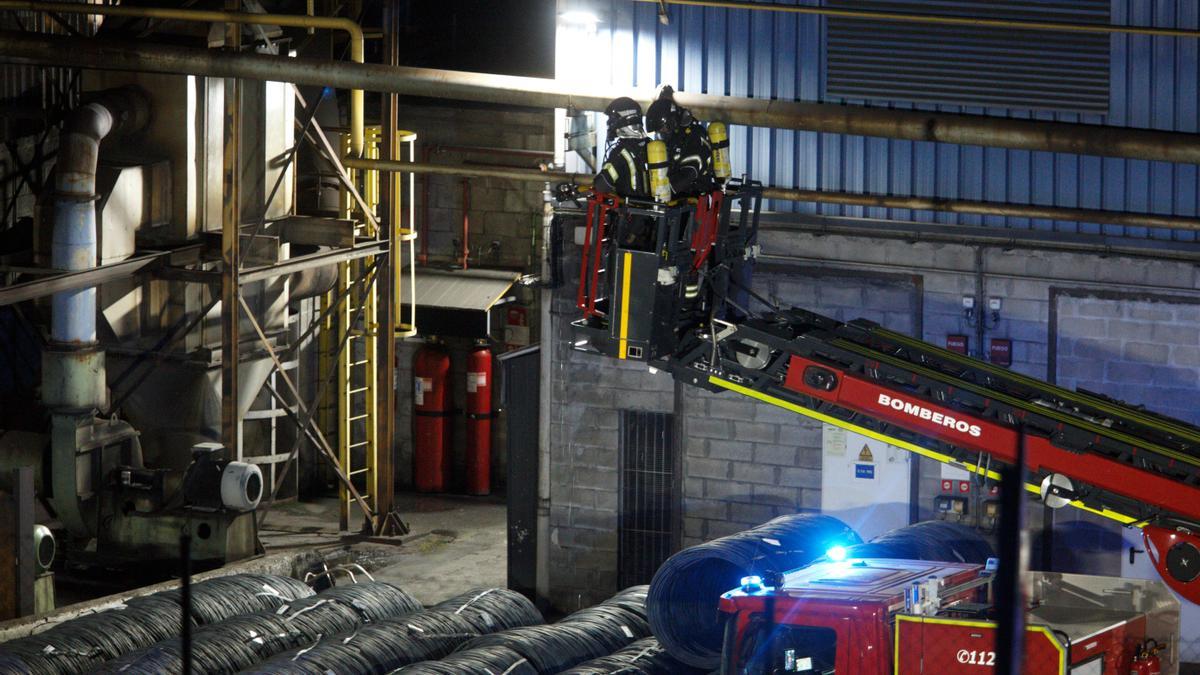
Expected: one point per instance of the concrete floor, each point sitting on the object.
(455, 543)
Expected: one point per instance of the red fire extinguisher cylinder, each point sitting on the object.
(479, 420)
(432, 418)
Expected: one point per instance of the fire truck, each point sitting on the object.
(669, 284)
(880, 616)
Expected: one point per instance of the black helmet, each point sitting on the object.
(623, 112)
(663, 117)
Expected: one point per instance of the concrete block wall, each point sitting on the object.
(503, 211)
(1140, 347)
(1135, 347)
(745, 462)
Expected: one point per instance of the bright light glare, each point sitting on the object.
(579, 18)
(837, 553)
(751, 583)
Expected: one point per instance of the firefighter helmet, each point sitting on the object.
(624, 113)
(664, 117)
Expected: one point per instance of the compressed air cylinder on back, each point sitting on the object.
(656, 156)
(719, 138)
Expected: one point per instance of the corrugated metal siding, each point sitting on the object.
(979, 65)
(773, 55)
(58, 87)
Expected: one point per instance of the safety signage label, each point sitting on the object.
(422, 386)
(864, 471)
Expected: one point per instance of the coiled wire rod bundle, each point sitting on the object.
(581, 636)
(644, 657)
(684, 594)
(240, 642)
(84, 643)
(496, 660)
(393, 643)
(930, 540)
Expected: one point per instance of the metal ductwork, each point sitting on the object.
(533, 92)
(73, 383)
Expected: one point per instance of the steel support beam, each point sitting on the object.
(531, 92)
(310, 428)
(304, 262)
(231, 235)
(389, 271)
(67, 281)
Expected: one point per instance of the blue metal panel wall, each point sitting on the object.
(775, 55)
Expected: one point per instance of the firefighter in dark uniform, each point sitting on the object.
(624, 172)
(689, 151)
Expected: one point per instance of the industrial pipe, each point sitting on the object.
(209, 16)
(904, 17)
(73, 385)
(1005, 209)
(915, 125)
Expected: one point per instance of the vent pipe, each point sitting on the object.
(73, 385)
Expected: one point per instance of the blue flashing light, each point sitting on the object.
(752, 584)
(836, 554)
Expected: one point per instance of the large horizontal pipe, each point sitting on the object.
(939, 20)
(1127, 218)
(545, 93)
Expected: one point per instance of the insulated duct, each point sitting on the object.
(73, 384)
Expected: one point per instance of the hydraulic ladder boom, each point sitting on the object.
(1083, 449)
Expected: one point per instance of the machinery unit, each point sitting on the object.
(880, 616)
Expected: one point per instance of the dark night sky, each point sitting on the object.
(513, 37)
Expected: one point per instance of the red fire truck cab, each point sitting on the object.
(879, 616)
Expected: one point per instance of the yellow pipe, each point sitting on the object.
(901, 17)
(212, 16)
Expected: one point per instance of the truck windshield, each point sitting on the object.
(767, 650)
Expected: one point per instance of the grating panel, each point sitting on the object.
(648, 500)
(971, 65)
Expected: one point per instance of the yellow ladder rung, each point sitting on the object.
(359, 444)
(355, 418)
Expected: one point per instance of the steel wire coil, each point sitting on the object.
(217, 599)
(84, 643)
(377, 648)
(632, 599)
(496, 660)
(644, 657)
(493, 609)
(684, 593)
(242, 641)
(930, 540)
(554, 648)
(389, 644)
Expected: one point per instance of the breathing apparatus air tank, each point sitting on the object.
(718, 136)
(656, 156)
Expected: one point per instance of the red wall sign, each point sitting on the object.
(957, 343)
(1000, 352)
